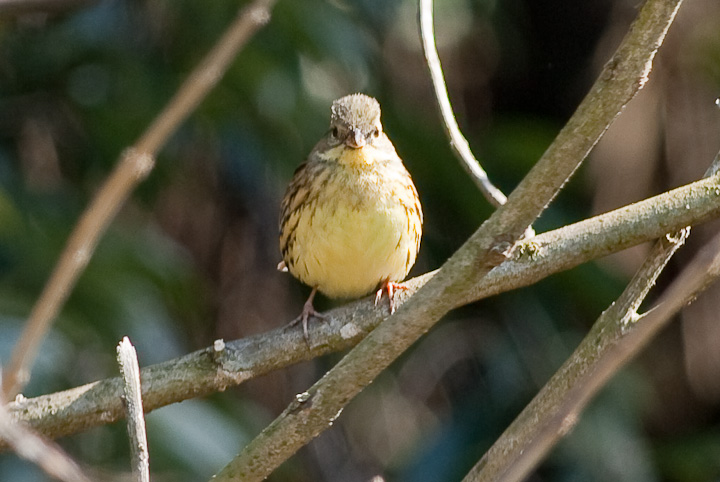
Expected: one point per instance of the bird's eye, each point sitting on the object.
(335, 132)
(376, 133)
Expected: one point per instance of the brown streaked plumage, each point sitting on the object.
(350, 220)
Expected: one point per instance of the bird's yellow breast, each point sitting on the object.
(356, 233)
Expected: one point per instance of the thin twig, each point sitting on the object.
(130, 372)
(457, 141)
(45, 454)
(201, 372)
(315, 410)
(133, 167)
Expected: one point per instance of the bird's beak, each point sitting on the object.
(356, 139)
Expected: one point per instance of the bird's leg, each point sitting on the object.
(307, 312)
(390, 287)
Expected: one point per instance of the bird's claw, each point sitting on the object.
(391, 287)
(307, 312)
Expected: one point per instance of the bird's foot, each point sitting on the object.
(391, 287)
(307, 312)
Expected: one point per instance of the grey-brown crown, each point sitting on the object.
(355, 111)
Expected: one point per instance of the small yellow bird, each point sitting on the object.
(351, 220)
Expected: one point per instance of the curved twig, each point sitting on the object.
(457, 141)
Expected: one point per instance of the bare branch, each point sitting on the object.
(134, 166)
(127, 360)
(457, 141)
(616, 349)
(541, 424)
(207, 371)
(42, 453)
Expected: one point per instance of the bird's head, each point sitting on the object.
(355, 121)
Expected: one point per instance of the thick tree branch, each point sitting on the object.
(210, 370)
(541, 424)
(614, 340)
(528, 439)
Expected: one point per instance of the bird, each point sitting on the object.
(350, 219)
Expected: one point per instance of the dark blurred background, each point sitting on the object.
(192, 256)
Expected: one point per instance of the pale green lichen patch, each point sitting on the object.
(529, 250)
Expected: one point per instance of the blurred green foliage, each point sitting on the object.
(178, 266)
